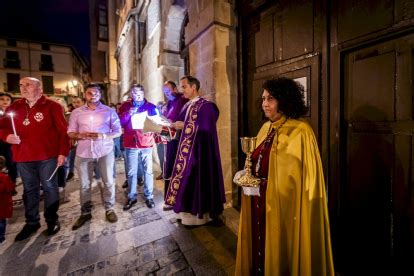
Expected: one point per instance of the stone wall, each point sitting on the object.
(126, 63)
(211, 37)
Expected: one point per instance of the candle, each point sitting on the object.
(12, 121)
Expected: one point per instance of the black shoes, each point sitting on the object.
(125, 185)
(81, 221)
(53, 228)
(27, 231)
(167, 207)
(150, 203)
(70, 176)
(129, 204)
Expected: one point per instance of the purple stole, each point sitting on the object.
(184, 153)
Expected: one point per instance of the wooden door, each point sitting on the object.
(376, 229)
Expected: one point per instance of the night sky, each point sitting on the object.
(59, 21)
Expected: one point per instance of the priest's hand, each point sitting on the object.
(178, 125)
(13, 139)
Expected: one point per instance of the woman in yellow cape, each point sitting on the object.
(285, 230)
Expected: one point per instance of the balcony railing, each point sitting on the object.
(11, 63)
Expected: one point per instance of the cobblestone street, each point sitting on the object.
(143, 241)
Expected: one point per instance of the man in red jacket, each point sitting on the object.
(138, 146)
(36, 127)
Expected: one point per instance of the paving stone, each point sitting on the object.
(202, 262)
(173, 267)
(170, 258)
(149, 232)
(147, 269)
(185, 239)
(50, 248)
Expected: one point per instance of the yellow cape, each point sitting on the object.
(297, 224)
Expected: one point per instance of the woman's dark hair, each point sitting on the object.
(289, 95)
(7, 95)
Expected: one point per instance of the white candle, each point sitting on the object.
(12, 120)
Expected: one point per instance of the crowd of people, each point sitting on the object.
(284, 225)
(43, 138)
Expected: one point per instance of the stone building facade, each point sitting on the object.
(60, 68)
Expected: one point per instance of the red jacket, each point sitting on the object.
(44, 137)
(134, 138)
(6, 189)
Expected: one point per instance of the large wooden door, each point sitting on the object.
(376, 214)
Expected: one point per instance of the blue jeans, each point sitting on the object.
(85, 168)
(33, 173)
(134, 158)
(117, 147)
(71, 156)
(3, 223)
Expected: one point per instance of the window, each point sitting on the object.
(47, 82)
(12, 60)
(45, 47)
(11, 43)
(13, 82)
(142, 34)
(103, 23)
(46, 63)
(103, 33)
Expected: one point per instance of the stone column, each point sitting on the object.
(211, 37)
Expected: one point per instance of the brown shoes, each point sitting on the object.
(81, 221)
(111, 216)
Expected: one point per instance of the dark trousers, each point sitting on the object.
(3, 223)
(33, 175)
(5, 150)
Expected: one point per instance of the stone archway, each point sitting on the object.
(170, 62)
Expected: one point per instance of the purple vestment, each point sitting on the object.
(196, 184)
(173, 110)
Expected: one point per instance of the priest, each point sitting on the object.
(196, 188)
